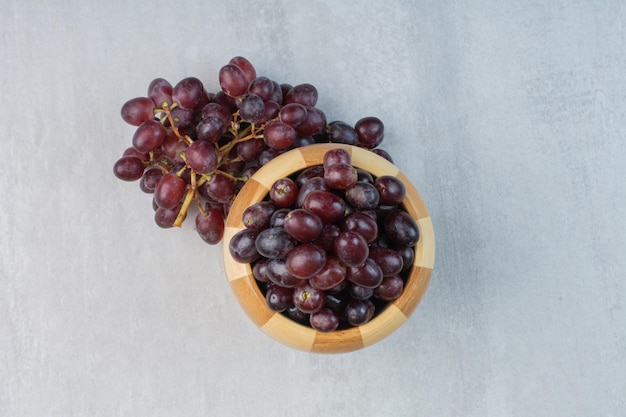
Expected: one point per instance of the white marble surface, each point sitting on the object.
(509, 116)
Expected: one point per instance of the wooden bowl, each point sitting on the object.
(298, 336)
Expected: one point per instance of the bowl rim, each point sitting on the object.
(289, 332)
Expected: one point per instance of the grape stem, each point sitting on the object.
(189, 197)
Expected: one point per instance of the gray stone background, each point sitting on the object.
(507, 115)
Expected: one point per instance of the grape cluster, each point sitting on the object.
(193, 147)
(330, 246)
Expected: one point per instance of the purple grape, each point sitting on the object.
(149, 136)
(359, 312)
(210, 226)
(169, 191)
(284, 192)
(137, 110)
(401, 229)
(324, 320)
(128, 168)
(351, 248)
(305, 261)
(242, 247)
(390, 189)
(368, 275)
(274, 243)
(390, 261)
(303, 225)
(328, 206)
(331, 275)
(370, 131)
(279, 298)
(202, 156)
(308, 299)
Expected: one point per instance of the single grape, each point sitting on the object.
(277, 94)
(308, 173)
(279, 298)
(150, 179)
(359, 312)
(219, 111)
(370, 131)
(169, 191)
(305, 94)
(252, 109)
(277, 273)
(271, 111)
(233, 80)
(148, 136)
(340, 176)
(188, 92)
(284, 192)
(202, 156)
(145, 157)
(250, 150)
(390, 288)
(324, 320)
(259, 270)
(303, 225)
(363, 175)
(165, 218)
(408, 256)
(362, 224)
(172, 147)
(160, 92)
(226, 101)
(308, 299)
(331, 275)
(183, 119)
(292, 114)
(279, 135)
(315, 183)
(336, 156)
(303, 141)
(274, 243)
(401, 229)
(390, 261)
(351, 248)
(137, 110)
(128, 168)
(328, 206)
(368, 275)
(305, 261)
(246, 66)
(390, 189)
(262, 87)
(219, 188)
(210, 226)
(242, 247)
(314, 123)
(210, 129)
(278, 217)
(341, 132)
(360, 293)
(384, 154)
(363, 196)
(296, 315)
(258, 215)
(266, 156)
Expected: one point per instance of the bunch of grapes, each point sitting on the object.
(196, 148)
(329, 246)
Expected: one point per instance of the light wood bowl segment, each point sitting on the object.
(301, 337)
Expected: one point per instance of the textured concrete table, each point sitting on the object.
(508, 116)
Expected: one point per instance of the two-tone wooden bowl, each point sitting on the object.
(296, 335)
